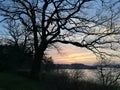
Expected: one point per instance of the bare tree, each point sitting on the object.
(66, 21)
(107, 73)
(19, 36)
(76, 75)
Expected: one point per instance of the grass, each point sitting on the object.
(15, 82)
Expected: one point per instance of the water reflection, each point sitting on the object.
(87, 74)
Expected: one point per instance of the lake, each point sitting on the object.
(86, 73)
(110, 74)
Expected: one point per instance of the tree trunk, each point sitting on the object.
(36, 66)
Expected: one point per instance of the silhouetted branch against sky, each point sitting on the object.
(91, 24)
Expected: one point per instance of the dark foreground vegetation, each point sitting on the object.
(15, 82)
(48, 82)
(64, 82)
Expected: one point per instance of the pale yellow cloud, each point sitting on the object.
(71, 54)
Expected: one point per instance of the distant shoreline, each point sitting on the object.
(82, 66)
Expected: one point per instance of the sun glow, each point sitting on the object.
(71, 54)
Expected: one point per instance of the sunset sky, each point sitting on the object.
(71, 54)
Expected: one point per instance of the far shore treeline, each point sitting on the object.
(82, 66)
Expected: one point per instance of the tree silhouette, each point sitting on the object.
(65, 21)
(13, 58)
(107, 73)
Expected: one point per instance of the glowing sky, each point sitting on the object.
(71, 54)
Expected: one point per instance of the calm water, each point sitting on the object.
(86, 73)
(90, 74)
(110, 74)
